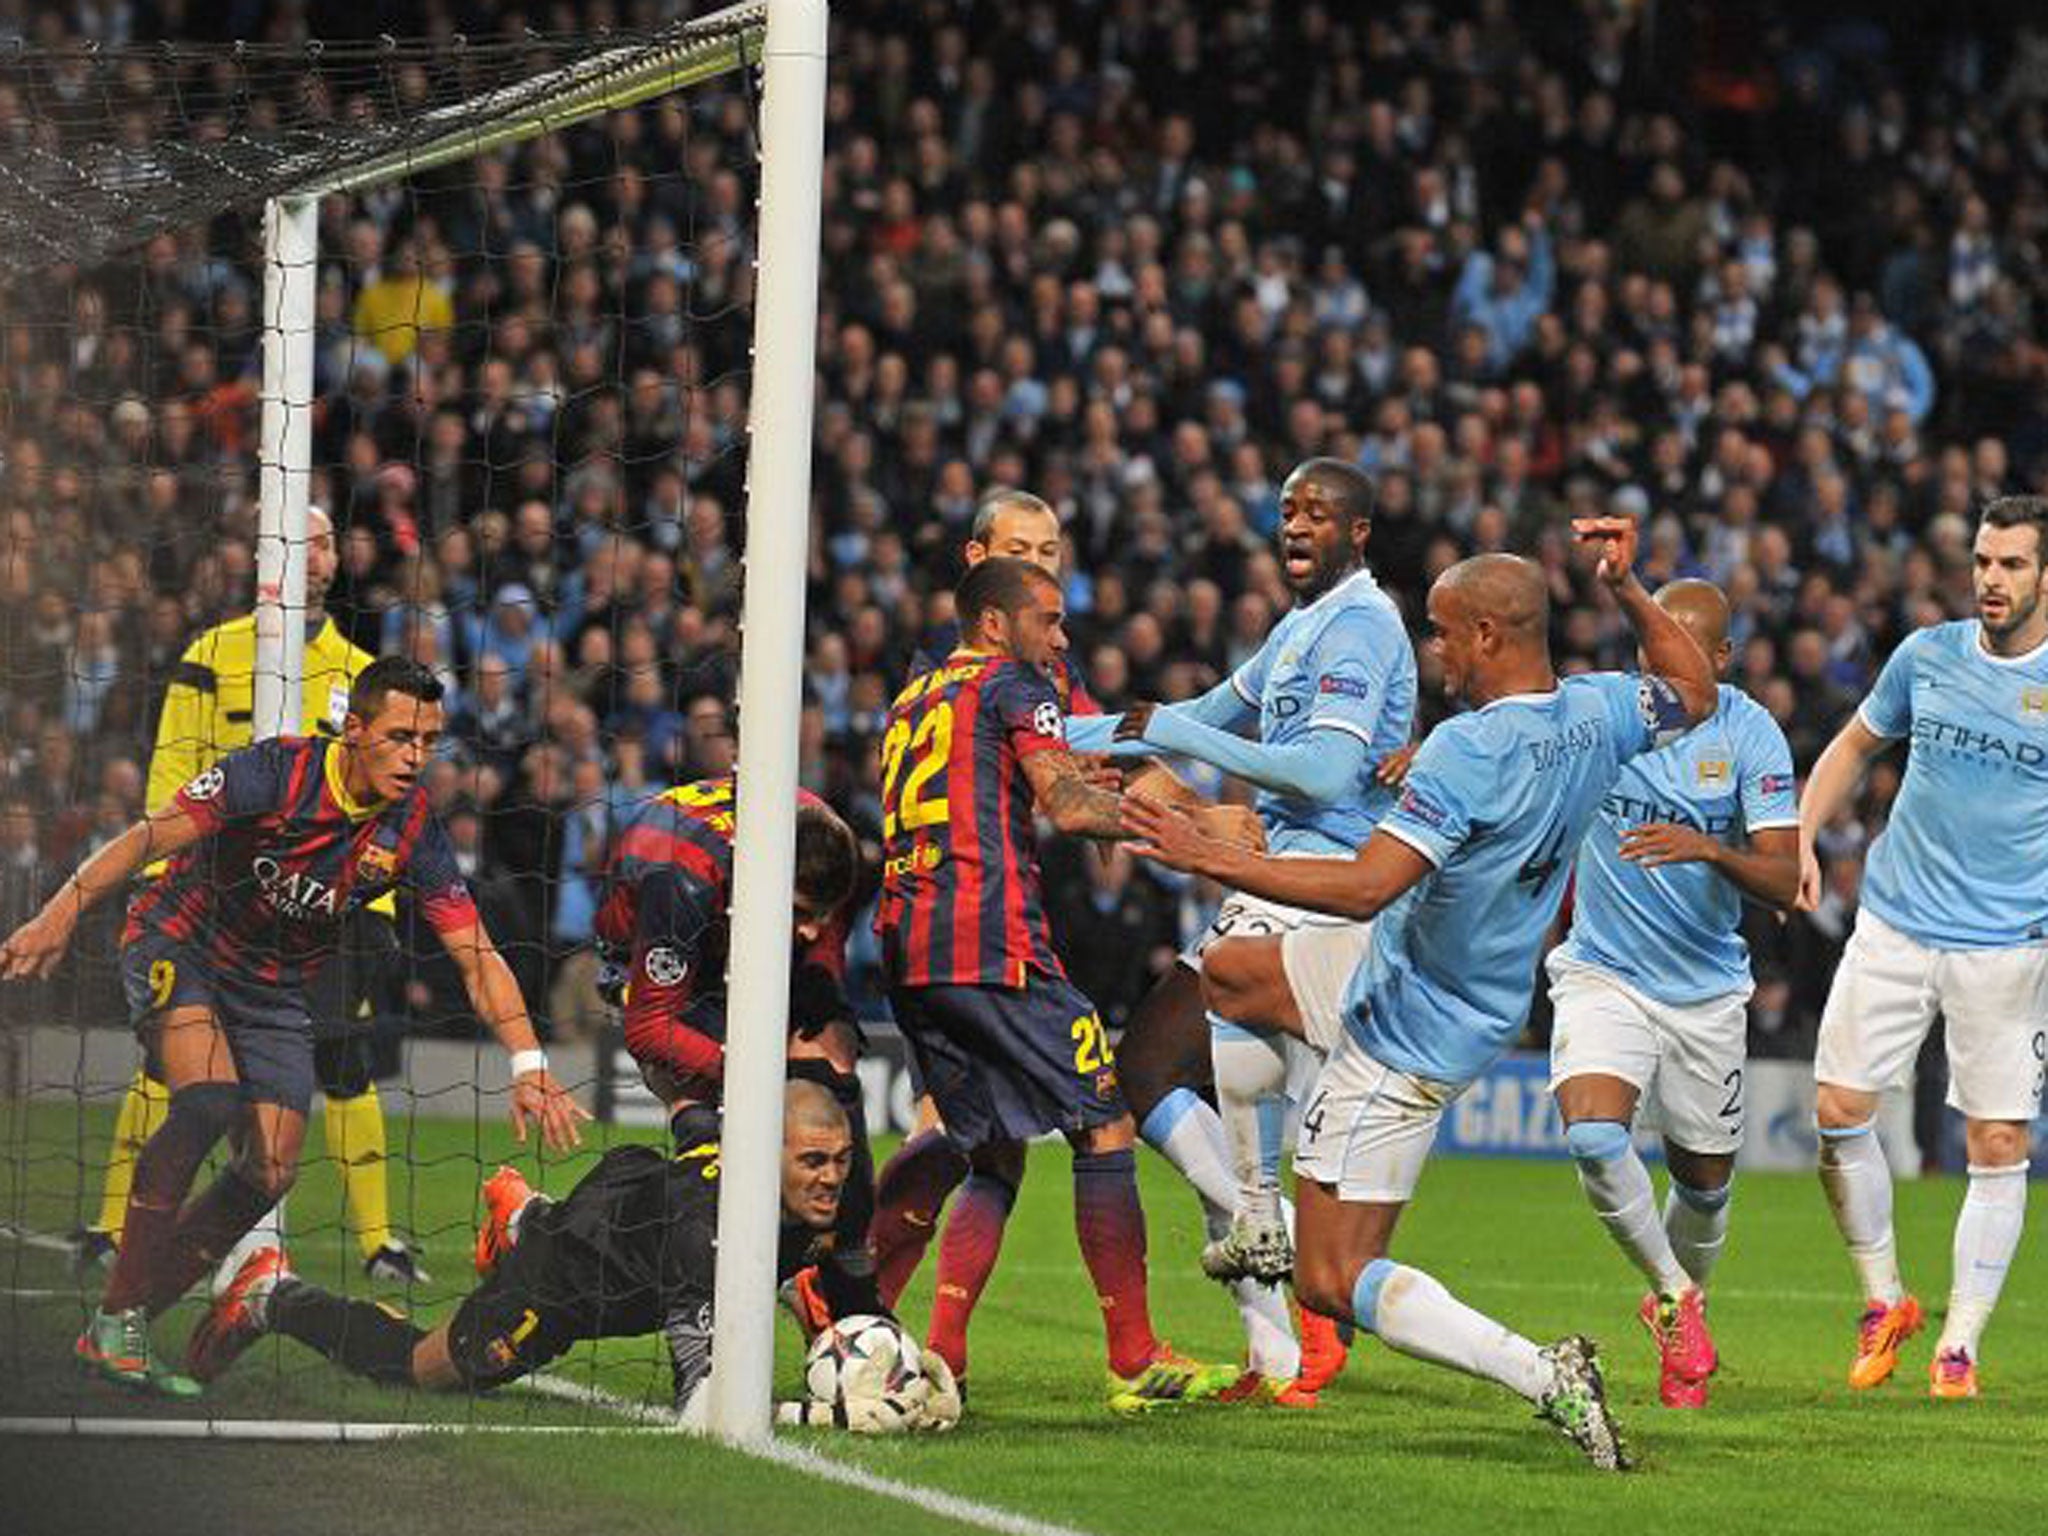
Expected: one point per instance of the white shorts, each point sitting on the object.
(1319, 960)
(1886, 993)
(1366, 1129)
(1684, 1059)
(1242, 916)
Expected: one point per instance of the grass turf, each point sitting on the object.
(1784, 1443)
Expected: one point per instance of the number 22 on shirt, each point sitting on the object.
(930, 742)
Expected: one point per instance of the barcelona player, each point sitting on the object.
(1469, 869)
(208, 711)
(1008, 1047)
(665, 923)
(270, 849)
(916, 1182)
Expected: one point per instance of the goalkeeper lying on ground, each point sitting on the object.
(628, 1252)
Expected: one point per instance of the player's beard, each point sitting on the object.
(2018, 614)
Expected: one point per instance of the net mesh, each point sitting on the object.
(109, 146)
(529, 415)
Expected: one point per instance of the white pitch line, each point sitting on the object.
(293, 1431)
(931, 1500)
(950, 1506)
(29, 1239)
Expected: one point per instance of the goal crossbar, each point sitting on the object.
(86, 201)
(608, 82)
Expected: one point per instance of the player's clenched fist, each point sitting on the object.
(1615, 537)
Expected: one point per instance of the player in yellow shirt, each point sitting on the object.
(208, 712)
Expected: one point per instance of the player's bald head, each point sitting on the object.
(1701, 608)
(809, 1110)
(1506, 590)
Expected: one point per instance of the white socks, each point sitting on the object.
(1859, 1188)
(1251, 1089)
(1696, 1225)
(1987, 1235)
(1618, 1185)
(1184, 1130)
(1413, 1313)
(1190, 1135)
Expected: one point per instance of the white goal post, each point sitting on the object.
(788, 37)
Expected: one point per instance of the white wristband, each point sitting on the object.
(524, 1062)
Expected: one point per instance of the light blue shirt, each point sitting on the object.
(1674, 933)
(1331, 692)
(1963, 863)
(1498, 801)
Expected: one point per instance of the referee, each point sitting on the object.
(209, 711)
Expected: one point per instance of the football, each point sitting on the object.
(869, 1373)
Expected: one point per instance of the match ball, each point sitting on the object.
(870, 1373)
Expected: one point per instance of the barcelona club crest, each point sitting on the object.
(376, 864)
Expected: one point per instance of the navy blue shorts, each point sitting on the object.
(1010, 1065)
(268, 1030)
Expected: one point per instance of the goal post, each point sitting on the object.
(285, 462)
(771, 692)
(88, 202)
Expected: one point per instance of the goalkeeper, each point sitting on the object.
(209, 711)
(629, 1251)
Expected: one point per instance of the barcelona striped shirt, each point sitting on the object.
(961, 901)
(285, 853)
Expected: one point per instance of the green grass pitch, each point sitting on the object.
(1785, 1446)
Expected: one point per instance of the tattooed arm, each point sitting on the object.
(1069, 801)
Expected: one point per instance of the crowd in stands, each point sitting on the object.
(1769, 282)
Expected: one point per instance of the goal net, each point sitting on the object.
(441, 347)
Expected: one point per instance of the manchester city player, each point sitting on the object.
(1469, 869)
(1651, 989)
(1328, 698)
(1953, 920)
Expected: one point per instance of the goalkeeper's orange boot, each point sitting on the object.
(1323, 1351)
(236, 1319)
(505, 1195)
(1880, 1332)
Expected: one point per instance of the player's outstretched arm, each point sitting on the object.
(1123, 735)
(494, 994)
(1834, 780)
(1766, 870)
(1060, 786)
(1356, 888)
(1671, 653)
(37, 945)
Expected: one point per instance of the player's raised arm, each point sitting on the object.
(35, 947)
(1669, 652)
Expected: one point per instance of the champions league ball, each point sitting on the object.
(869, 1373)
